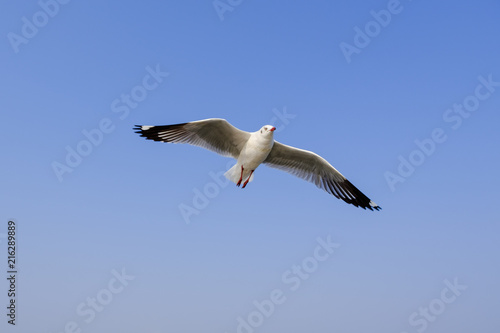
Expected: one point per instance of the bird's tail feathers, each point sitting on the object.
(234, 174)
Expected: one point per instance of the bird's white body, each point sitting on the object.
(255, 151)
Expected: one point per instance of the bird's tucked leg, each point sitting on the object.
(241, 178)
(246, 182)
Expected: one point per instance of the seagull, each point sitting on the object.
(253, 149)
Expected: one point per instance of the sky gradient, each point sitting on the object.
(402, 97)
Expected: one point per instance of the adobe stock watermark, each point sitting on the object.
(122, 107)
(363, 36)
(223, 6)
(203, 196)
(291, 279)
(453, 117)
(31, 26)
(89, 309)
(425, 315)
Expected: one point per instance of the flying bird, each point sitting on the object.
(252, 149)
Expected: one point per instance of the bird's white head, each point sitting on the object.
(267, 130)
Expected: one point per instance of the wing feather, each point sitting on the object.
(217, 135)
(315, 169)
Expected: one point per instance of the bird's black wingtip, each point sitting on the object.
(373, 206)
(142, 130)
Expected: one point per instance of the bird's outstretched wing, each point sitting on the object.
(217, 135)
(315, 169)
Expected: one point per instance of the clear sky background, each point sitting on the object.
(427, 262)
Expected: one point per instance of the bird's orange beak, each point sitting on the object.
(273, 129)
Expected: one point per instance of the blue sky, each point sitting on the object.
(410, 117)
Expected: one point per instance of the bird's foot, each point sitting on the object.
(248, 179)
(241, 178)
